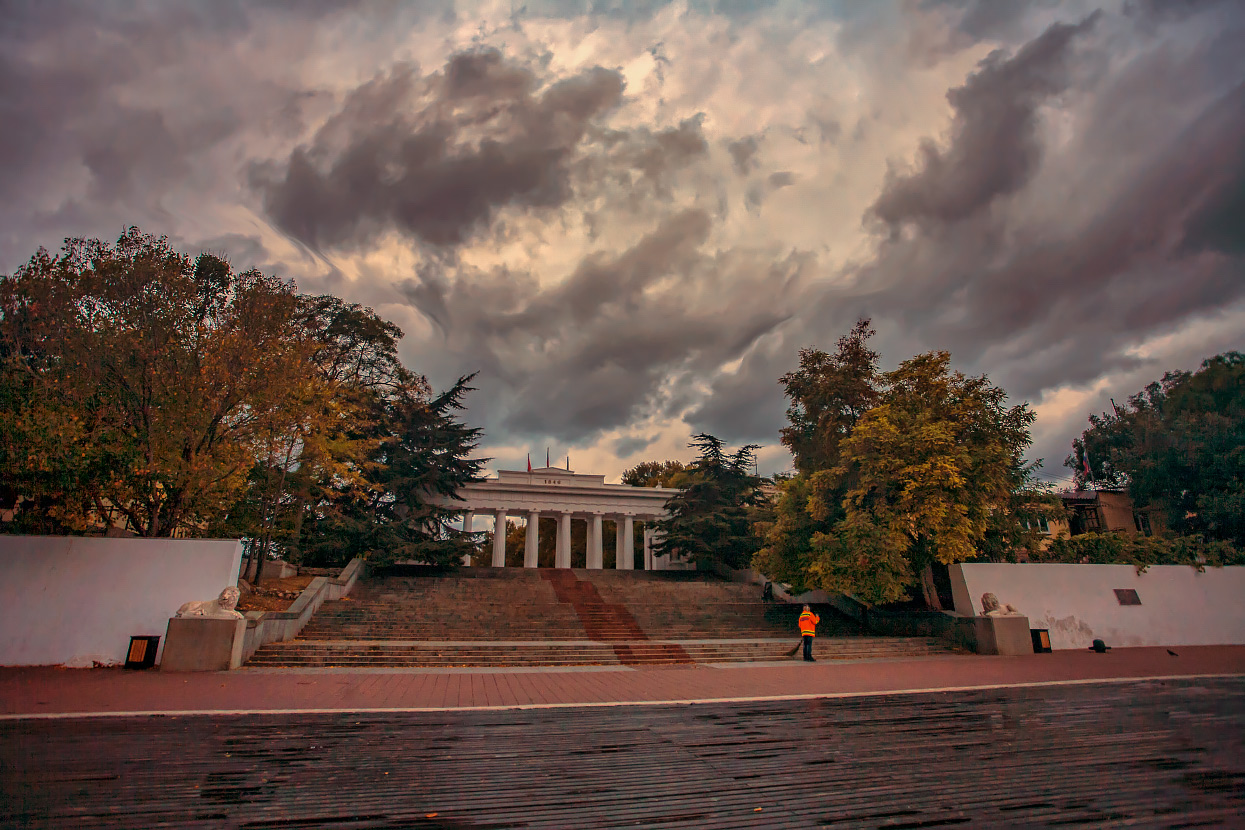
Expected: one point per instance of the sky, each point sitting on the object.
(629, 217)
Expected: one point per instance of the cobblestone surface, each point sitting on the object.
(1152, 753)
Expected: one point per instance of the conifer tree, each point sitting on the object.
(710, 519)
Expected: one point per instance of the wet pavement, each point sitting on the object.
(1160, 752)
(49, 691)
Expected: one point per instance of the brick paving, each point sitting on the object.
(1151, 753)
(33, 691)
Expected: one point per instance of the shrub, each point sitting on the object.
(1140, 551)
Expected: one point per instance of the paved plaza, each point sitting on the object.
(1135, 737)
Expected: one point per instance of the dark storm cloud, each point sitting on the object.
(653, 154)
(1151, 12)
(743, 154)
(436, 156)
(616, 341)
(994, 149)
(980, 20)
(628, 446)
(1140, 265)
(1037, 300)
(109, 107)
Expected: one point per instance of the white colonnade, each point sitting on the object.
(551, 492)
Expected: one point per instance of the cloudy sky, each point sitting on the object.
(630, 215)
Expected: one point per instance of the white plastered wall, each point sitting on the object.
(77, 601)
(1077, 603)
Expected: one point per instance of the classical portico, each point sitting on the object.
(552, 492)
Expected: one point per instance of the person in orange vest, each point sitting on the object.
(808, 630)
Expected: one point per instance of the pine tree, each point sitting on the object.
(711, 518)
(428, 456)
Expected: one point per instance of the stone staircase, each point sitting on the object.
(425, 617)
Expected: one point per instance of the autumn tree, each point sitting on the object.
(655, 474)
(325, 462)
(933, 471)
(710, 519)
(1178, 446)
(136, 381)
(828, 394)
(191, 399)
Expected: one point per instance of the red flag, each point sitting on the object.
(1085, 462)
(529, 462)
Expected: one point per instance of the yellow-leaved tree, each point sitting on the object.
(931, 470)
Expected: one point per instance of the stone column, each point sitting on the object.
(626, 559)
(531, 551)
(650, 558)
(467, 518)
(618, 542)
(596, 553)
(499, 540)
(562, 558)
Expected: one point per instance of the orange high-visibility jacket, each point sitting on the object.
(808, 624)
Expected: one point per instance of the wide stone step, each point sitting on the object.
(397, 654)
(544, 617)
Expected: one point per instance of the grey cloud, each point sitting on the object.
(243, 252)
(980, 20)
(1135, 267)
(1151, 12)
(630, 445)
(757, 192)
(110, 109)
(994, 149)
(620, 339)
(637, 165)
(748, 405)
(1040, 302)
(119, 113)
(1042, 306)
(436, 156)
(743, 153)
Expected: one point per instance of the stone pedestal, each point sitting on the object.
(203, 644)
(1003, 635)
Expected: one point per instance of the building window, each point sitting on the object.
(1142, 521)
(1037, 523)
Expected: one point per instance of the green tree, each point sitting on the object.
(829, 393)
(932, 471)
(136, 382)
(423, 460)
(1179, 446)
(710, 519)
(326, 463)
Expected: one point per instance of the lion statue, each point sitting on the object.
(990, 607)
(221, 608)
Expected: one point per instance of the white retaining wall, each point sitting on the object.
(1077, 603)
(76, 601)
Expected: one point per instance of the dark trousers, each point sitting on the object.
(808, 646)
